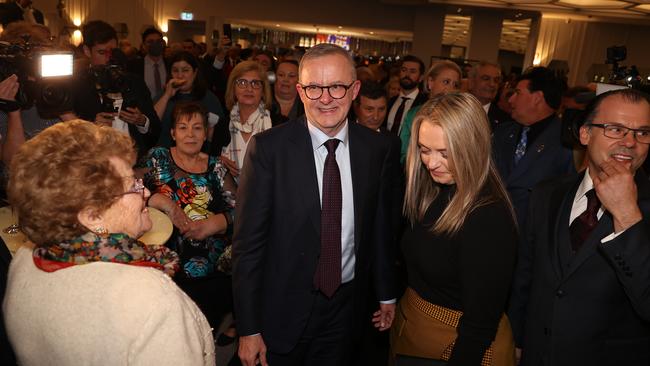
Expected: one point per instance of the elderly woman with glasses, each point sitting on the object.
(248, 97)
(89, 292)
(186, 84)
(198, 194)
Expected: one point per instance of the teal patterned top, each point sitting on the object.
(200, 195)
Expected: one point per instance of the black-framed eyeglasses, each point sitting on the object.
(243, 83)
(138, 187)
(618, 132)
(336, 91)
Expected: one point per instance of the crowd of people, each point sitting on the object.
(342, 213)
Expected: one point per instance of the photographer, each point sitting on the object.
(22, 121)
(108, 95)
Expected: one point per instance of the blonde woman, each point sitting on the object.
(460, 246)
(442, 77)
(248, 98)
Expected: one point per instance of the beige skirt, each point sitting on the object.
(423, 329)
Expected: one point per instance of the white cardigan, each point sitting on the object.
(102, 314)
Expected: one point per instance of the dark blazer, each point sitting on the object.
(88, 103)
(276, 241)
(496, 116)
(6, 352)
(545, 158)
(591, 308)
(420, 99)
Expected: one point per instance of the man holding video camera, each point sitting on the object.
(110, 96)
(25, 103)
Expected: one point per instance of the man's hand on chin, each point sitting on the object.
(252, 350)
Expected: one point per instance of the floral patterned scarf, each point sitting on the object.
(114, 248)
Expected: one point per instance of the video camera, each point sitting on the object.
(622, 75)
(113, 83)
(44, 74)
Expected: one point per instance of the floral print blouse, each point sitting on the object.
(200, 195)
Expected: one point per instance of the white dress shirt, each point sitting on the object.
(486, 107)
(407, 105)
(580, 204)
(149, 77)
(318, 139)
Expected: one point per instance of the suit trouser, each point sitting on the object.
(327, 337)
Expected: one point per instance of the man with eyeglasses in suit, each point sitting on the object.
(313, 227)
(582, 279)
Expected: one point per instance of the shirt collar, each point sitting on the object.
(585, 186)
(411, 95)
(149, 61)
(318, 137)
(486, 107)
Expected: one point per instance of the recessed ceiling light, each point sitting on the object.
(277, 25)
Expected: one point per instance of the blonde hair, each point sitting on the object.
(467, 133)
(437, 67)
(236, 73)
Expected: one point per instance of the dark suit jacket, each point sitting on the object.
(420, 99)
(545, 158)
(11, 12)
(496, 116)
(591, 308)
(6, 352)
(88, 104)
(276, 242)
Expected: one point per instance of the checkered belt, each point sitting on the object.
(446, 316)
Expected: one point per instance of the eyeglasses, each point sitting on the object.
(138, 187)
(243, 83)
(618, 132)
(336, 91)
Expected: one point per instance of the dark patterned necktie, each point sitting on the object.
(157, 79)
(398, 116)
(520, 151)
(328, 272)
(584, 224)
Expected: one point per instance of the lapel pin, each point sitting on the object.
(540, 148)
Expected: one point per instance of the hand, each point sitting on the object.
(252, 350)
(383, 318)
(517, 355)
(9, 88)
(105, 118)
(173, 86)
(231, 165)
(133, 115)
(617, 193)
(201, 229)
(179, 218)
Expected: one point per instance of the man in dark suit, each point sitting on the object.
(411, 74)
(134, 113)
(13, 11)
(529, 150)
(313, 226)
(7, 356)
(583, 282)
(151, 67)
(484, 81)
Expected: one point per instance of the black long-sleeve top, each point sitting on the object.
(470, 271)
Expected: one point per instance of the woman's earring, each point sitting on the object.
(101, 231)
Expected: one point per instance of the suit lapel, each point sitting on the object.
(533, 152)
(305, 170)
(560, 205)
(359, 157)
(605, 226)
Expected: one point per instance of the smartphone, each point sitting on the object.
(227, 31)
